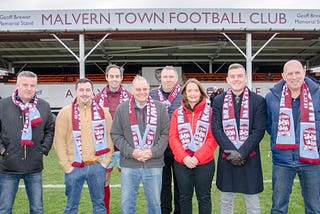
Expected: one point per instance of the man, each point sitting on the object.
(238, 125)
(26, 133)
(84, 148)
(110, 97)
(142, 142)
(293, 122)
(169, 94)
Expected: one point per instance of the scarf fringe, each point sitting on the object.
(26, 142)
(309, 160)
(77, 164)
(286, 146)
(102, 151)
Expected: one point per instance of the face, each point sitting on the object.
(26, 88)
(169, 79)
(193, 93)
(293, 74)
(84, 93)
(140, 91)
(114, 79)
(237, 80)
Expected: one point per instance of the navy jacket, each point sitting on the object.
(289, 157)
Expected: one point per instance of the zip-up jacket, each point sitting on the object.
(19, 159)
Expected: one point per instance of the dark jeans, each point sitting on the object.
(166, 191)
(200, 179)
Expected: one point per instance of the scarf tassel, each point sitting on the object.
(309, 160)
(36, 121)
(286, 146)
(77, 164)
(102, 151)
(26, 142)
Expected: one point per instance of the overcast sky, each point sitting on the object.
(105, 4)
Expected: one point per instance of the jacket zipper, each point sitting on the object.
(24, 147)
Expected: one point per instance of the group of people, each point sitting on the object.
(165, 136)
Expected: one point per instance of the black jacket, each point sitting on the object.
(17, 159)
(246, 179)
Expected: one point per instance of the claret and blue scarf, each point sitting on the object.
(308, 147)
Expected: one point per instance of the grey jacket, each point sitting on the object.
(122, 137)
(17, 159)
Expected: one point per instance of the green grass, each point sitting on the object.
(54, 198)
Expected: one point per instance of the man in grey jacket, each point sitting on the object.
(26, 133)
(142, 142)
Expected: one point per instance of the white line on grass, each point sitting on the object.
(61, 186)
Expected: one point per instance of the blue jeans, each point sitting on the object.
(95, 175)
(130, 181)
(9, 184)
(282, 181)
(198, 178)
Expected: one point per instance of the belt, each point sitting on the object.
(90, 162)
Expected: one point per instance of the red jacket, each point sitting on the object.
(206, 153)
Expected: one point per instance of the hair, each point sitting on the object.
(26, 74)
(84, 80)
(121, 69)
(184, 93)
(169, 67)
(139, 78)
(236, 66)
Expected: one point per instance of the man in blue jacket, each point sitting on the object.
(293, 120)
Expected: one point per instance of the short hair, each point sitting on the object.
(121, 69)
(169, 67)
(26, 74)
(236, 66)
(184, 88)
(139, 78)
(84, 80)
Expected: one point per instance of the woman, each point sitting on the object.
(193, 146)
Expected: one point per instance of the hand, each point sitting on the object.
(70, 170)
(189, 162)
(234, 157)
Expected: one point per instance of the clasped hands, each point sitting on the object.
(190, 162)
(234, 157)
(142, 155)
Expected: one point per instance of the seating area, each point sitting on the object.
(127, 78)
(210, 77)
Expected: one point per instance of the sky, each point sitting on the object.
(124, 4)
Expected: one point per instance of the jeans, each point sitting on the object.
(130, 181)
(115, 159)
(166, 191)
(282, 181)
(9, 184)
(227, 202)
(95, 175)
(198, 178)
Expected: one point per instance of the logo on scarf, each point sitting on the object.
(284, 124)
(185, 137)
(200, 137)
(231, 132)
(99, 133)
(309, 139)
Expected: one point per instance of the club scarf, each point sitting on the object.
(98, 131)
(32, 118)
(193, 142)
(174, 93)
(103, 101)
(286, 135)
(145, 142)
(237, 137)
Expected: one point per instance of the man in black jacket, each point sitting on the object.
(26, 133)
(238, 125)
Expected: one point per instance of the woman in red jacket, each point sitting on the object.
(193, 146)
